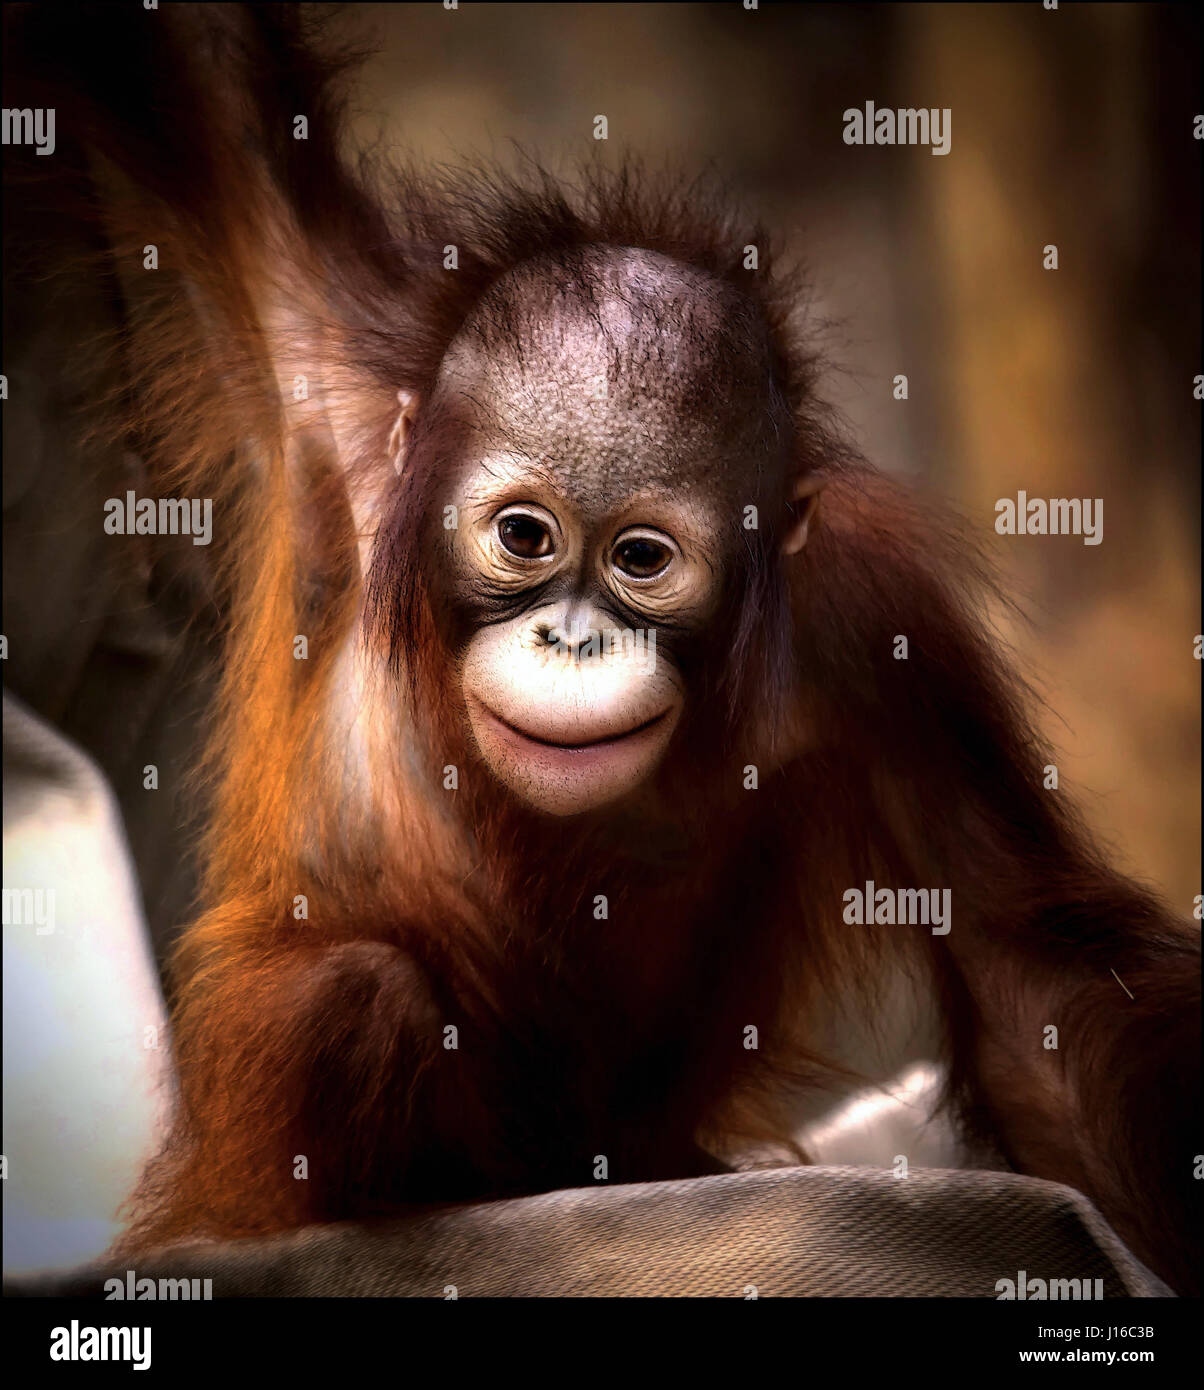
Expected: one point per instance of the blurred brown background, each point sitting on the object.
(1071, 127)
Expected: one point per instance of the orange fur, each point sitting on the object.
(322, 1036)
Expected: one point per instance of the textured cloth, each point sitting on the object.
(780, 1232)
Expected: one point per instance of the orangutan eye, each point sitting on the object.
(524, 536)
(641, 557)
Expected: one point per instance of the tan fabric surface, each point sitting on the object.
(788, 1232)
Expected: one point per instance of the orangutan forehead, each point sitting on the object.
(618, 363)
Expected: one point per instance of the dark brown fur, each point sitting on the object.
(324, 1037)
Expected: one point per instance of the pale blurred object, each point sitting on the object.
(85, 1035)
(875, 1126)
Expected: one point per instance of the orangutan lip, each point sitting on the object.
(572, 747)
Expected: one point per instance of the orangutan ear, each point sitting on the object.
(399, 439)
(802, 503)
